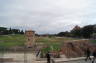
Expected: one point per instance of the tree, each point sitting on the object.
(94, 35)
(15, 31)
(21, 32)
(87, 31)
(94, 28)
(76, 31)
(3, 31)
(10, 31)
(63, 34)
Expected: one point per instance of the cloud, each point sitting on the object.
(48, 16)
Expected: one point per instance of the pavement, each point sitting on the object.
(68, 60)
(31, 58)
(78, 61)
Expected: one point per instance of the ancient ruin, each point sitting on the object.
(30, 38)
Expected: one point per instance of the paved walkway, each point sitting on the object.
(20, 57)
(68, 60)
(76, 61)
(31, 58)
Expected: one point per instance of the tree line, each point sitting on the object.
(87, 31)
(5, 31)
(80, 32)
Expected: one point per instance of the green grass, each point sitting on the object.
(93, 41)
(53, 39)
(54, 43)
(12, 40)
(19, 40)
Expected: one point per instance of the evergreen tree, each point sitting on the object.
(22, 32)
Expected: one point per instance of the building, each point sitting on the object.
(30, 38)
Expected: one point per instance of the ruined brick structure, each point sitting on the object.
(76, 48)
(30, 38)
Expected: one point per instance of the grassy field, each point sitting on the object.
(9, 41)
(12, 40)
(53, 39)
(54, 42)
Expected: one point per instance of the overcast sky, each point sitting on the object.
(47, 16)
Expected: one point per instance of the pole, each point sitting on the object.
(25, 54)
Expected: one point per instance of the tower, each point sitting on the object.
(30, 38)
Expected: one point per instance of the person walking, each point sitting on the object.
(48, 57)
(88, 54)
(38, 53)
(94, 56)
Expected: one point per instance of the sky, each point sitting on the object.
(47, 16)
